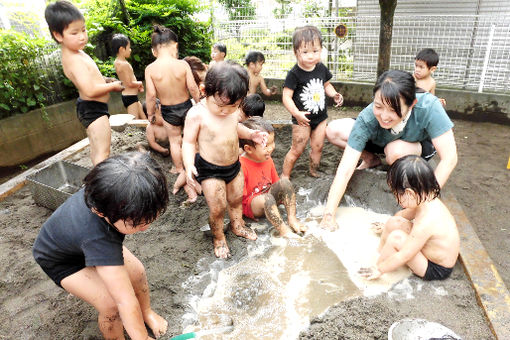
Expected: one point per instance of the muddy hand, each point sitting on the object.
(328, 222)
(339, 99)
(190, 178)
(260, 137)
(369, 273)
(377, 227)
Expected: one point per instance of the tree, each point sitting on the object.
(239, 9)
(385, 34)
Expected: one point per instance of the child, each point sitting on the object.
(199, 69)
(219, 52)
(424, 235)
(425, 64)
(80, 246)
(263, 189)
(251, 106)
(67, 27)
(213, 124)
(121, 47)
(156, 134)
(171, 80)
(254, 62)
(304, 92)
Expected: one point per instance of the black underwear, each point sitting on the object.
(315, 120)
(208, 170)
(427, 149)
(436, 272)
(129, 99)
(176, 114)
(90, 110)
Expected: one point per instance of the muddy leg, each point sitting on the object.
(215, 194)
(235, 209)
(283, 192)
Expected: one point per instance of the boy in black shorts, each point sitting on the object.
(80, 246)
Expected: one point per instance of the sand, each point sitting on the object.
(174, 251)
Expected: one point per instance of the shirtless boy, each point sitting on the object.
(67, 27)
(425, 64)
(170, 80)
(213, 124)
(121, 47)
(218, 54)
(254, 62)
(156, 134)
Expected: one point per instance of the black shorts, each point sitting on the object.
(90, 110)
(59, 271)
(128, 100)
(436, 272)
(315, 120)
(176, 114)
(427, 149)
(208, 170)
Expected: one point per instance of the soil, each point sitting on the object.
(174, 249)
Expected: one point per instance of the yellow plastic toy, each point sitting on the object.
(508, 165)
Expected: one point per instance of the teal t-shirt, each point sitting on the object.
(428, 120)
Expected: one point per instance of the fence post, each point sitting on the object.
(486, 60)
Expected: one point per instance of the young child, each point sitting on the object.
(199, 70)
(67, 27)
(252, 106)
(424, 235)
(425, 64)
(121, 47)
(304, 96)
(263, 189)
(156, 134)
(80, 246)
(170, 80)
(213, 124)
(219, 52)
(254, 62)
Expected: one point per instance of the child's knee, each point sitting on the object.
(217, 210)
(269, 202)
(396, 238)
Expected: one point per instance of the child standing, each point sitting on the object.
(425, 64)
(252, 106)
(121, 47)
(304, 96)
(254, 62)
(424, 235)
(213, 124)
(263, 189)
(219, 52)
(170, 80)
(67, 28)
(80, 246)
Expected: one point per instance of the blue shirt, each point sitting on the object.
(428, 120)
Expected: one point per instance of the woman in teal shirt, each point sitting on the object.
(399, 122)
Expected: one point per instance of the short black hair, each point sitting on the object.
(144, 106)
(255, 123)
(254, 57)
(129, 186)
(119, 40)
(60, 14)
(429, 56)
(413, 172)
(163, 35)
(220, 47)
(305, 35)
(253, 105)
(396, 84)
(228, 79)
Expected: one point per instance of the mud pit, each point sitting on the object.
(174, 250)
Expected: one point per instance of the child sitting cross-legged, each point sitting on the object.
(263, 189)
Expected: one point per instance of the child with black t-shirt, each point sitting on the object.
(304, 96)
(80, 246)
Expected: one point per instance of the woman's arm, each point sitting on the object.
(447, 151)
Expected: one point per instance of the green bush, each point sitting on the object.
(105, 18)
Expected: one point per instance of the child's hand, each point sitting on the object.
(191, 173)
(260, 137)
(371, 273)
(109, 80)
(328, 222)
(273, 90)
(377, 227)
(301, 118)
(117, 86)
(140, 88)
(339, 99)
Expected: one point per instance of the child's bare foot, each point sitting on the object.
(297, 226)
(314, 173)
(192, 194)
(221, 249)
(156, 323)
(377, 227)
(313, 169)
(287, 233)
(243, 231)
(369, 163)
(174, 170)
(179, 183)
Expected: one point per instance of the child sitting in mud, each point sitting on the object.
(263, 189)
(156, 134)
(80, 246)
(424, 235)
(254, 62)
(252, 106)
(213, 124)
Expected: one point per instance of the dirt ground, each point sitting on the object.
(173, 249)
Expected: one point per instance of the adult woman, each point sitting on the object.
(399, 122)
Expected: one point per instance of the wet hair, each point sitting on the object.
(59, 15)
(306, 35)
(144, 106)
(227, 79)
(429, 56)
(163, 35)
(221, 47)
(254, 57)
(395, 84)
(196, 66)
(129, 186)
(119, 40)
(255, 123)
(413, 172)
(253, 105)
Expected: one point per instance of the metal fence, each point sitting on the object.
(474, 50)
